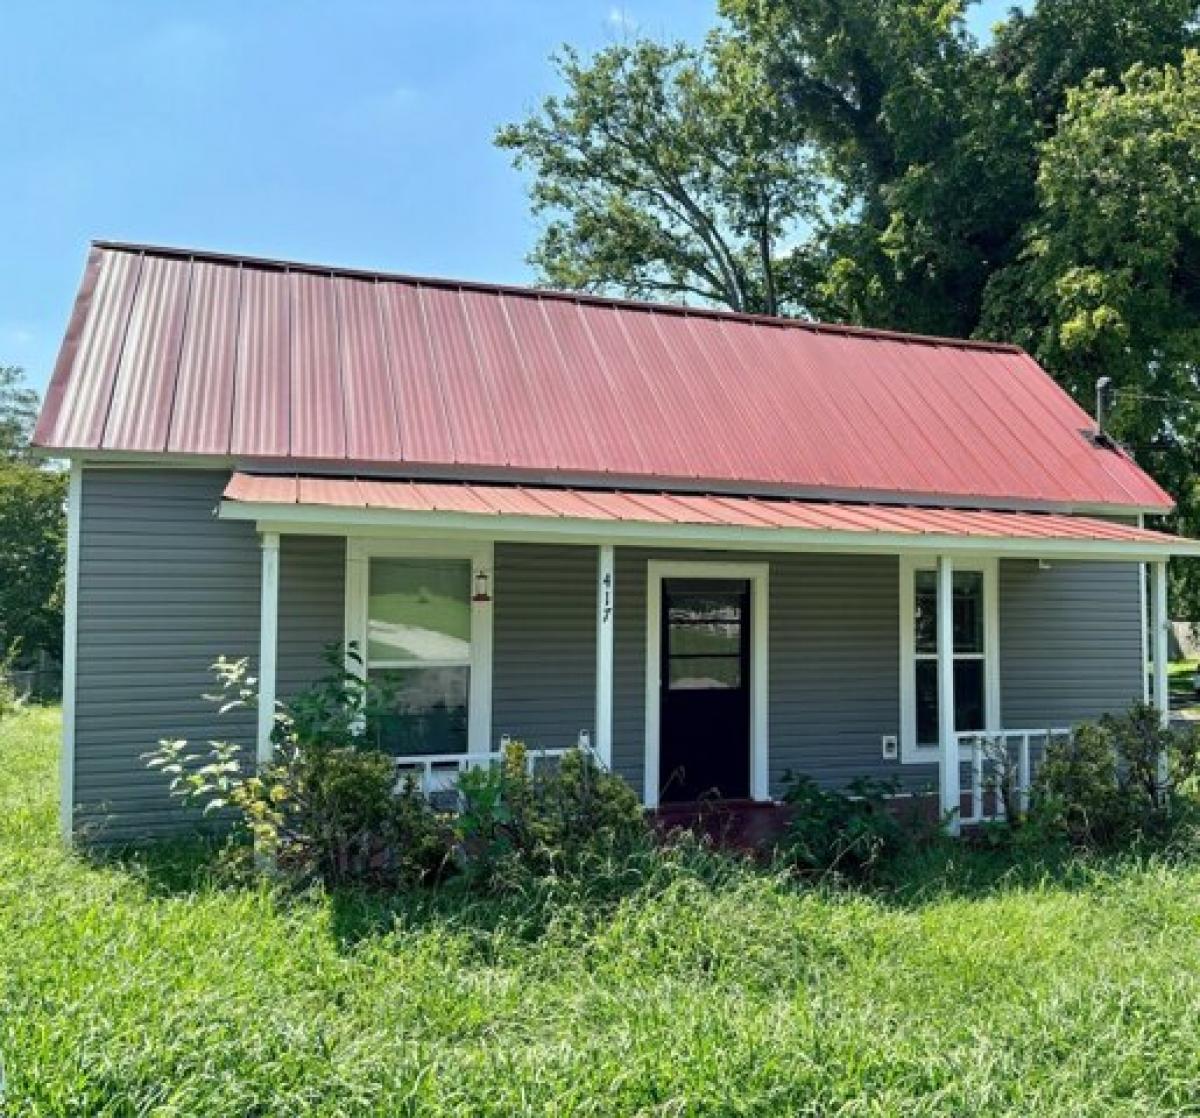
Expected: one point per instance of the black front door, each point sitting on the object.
(704, 710)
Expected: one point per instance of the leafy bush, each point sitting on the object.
(1101, 787)
(852, 832)
(329, 805)
(518, 819)
(9, 699)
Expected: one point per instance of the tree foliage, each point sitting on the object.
(31, 558)
(1108, 282)
(1038, 187)
(32, 530)
(18, 413)
(668, 172)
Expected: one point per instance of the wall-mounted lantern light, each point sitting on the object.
(481, 587)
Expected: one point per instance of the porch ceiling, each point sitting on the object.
(299, 502)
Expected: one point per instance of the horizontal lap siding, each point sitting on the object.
(312, 608)
(544, 674)
(835, 669)
(164, 590)
(1070, 641)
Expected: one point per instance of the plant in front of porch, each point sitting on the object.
(1121, 780)
(330, 805)
(851, 833)
(517, 819)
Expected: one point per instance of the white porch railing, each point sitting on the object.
(1000, 759)
(438, 773)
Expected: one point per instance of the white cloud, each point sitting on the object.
(620, 20)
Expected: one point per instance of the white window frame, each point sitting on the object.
(480, 555)
(913, 752)
(759, 577)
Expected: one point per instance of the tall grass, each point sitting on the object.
(681, 985)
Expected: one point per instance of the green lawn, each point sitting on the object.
(146, 988)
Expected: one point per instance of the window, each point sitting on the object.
(975, 704)
(705, 643)
(425, 641)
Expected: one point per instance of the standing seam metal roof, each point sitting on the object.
(188, 353)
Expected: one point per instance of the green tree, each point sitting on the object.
(934, 138)
(669, 172)
(31, 529)
(1108, 282)
(31, 558)
(18, 413)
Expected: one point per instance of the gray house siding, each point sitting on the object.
(312, 608)
(165, 588)
(1070, 641)
(544, 643)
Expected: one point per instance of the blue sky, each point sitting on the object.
(354, 133)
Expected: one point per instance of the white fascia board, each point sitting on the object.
(336, 520)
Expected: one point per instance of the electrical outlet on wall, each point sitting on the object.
(891, 747)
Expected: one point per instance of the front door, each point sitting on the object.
(704, 711)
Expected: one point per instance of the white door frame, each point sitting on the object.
(758, 575)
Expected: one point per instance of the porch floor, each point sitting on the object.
(746, 826)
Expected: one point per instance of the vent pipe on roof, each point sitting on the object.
(1103, 385)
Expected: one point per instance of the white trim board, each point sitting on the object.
(360, 550)
(66, 765)
(336, 520)
(759, 577)
(912, 752)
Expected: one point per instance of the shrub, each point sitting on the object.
(328, 805)
(8, 693)
(1101, 787)
(852, 832)
(517, 819)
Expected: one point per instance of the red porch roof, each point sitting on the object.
(670, 509)
(183, 353)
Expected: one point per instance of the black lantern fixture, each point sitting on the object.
(481, 587)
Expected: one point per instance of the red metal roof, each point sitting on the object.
(641, 506)
(182, 353)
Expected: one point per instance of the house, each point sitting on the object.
(717, 546)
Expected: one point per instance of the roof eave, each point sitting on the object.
(341, 520)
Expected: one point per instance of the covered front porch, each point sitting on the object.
(707, 645)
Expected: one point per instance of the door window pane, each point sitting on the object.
(429, 710)
(705, 673)
(419, 610)
(717, 638)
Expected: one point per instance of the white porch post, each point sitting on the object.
(948, 762)
(268, 640)
(605, 601)
(1159, 629)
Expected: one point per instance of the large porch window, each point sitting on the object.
(976, 704)
(426, 638)
(419, 648)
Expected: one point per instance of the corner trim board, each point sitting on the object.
(66, 769)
